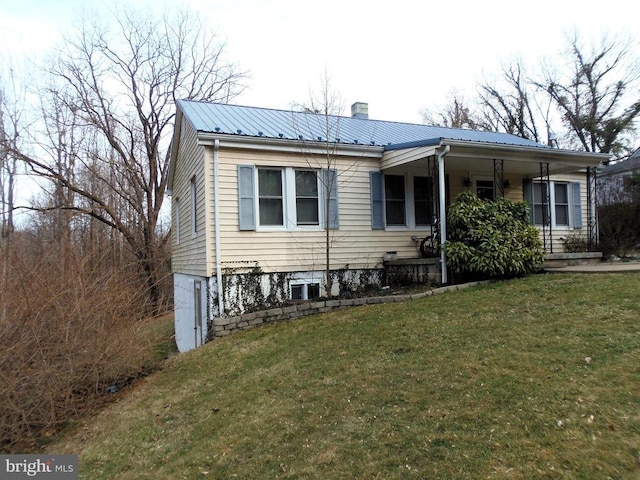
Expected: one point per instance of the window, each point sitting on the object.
(287, 198)
(485, 189)
(305, 291)
(540, 202)
(194, 219)
(270, 199)
(394, 195)
(306, 197)
(176, 215)
(423, 200)
(399, 201)
(561, 203)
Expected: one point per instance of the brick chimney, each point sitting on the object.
(360, 110)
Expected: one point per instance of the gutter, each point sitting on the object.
(362, 150)
(216, 223)
(443, 212)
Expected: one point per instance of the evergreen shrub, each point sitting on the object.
(491, 238)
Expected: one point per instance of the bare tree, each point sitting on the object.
(597, 95)
(456, 113)
(115, 87)
(593, 92)
(322, 119)
(11, 130)
(510, 108)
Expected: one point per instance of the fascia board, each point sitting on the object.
(525, 153)
(290, 146)
(175, 145)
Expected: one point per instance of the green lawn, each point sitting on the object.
(525, 379)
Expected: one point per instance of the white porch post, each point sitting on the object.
(443, 212)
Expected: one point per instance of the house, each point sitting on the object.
(258, 194)
(614, 178)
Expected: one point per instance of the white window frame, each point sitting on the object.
(289, 211)
(552, 203)
(305, 284)
(257, 198)
(569, 203)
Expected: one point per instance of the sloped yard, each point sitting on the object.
(530, 378)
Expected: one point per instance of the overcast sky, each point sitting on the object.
(399, 56)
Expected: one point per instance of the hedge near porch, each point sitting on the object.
(491, 238)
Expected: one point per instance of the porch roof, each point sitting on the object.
(477, 157)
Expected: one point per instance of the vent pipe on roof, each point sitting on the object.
(552, 140)
(360, 110)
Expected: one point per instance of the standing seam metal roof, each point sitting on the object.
(270, 123)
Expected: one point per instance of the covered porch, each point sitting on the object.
(515, 172)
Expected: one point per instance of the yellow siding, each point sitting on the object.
(354, 244)
(562, 232)
(189, 255)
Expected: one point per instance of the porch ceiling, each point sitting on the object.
(477, 157)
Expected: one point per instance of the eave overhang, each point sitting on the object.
(290, 146)
(469, 155)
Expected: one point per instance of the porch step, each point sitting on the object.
(555, 260)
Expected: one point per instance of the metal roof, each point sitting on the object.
(627, 166)
(287, 124)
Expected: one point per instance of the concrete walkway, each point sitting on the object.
(603, 267)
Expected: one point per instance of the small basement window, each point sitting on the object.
(305, 291)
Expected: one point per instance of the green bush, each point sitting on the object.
(490, 239)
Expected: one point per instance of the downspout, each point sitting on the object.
(443, 212)
(216, 223)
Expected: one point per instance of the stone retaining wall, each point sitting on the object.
(223, 326)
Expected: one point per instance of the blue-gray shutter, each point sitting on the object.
(377, 201)
(577, 205)
(330, 185)
(527, 186)
(246, 203)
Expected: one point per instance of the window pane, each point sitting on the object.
(306, 184)
(270, 197)
(394, 199)
(313, 291)
(537, 214)
(561, 191)
(394, 187)
(395, 213)
(422, 199)
(271, 211)
(306, 198)
(307, 211)
(562, 195)
(539, 190)
(270, 183)
(562, 215)
(297, 292)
